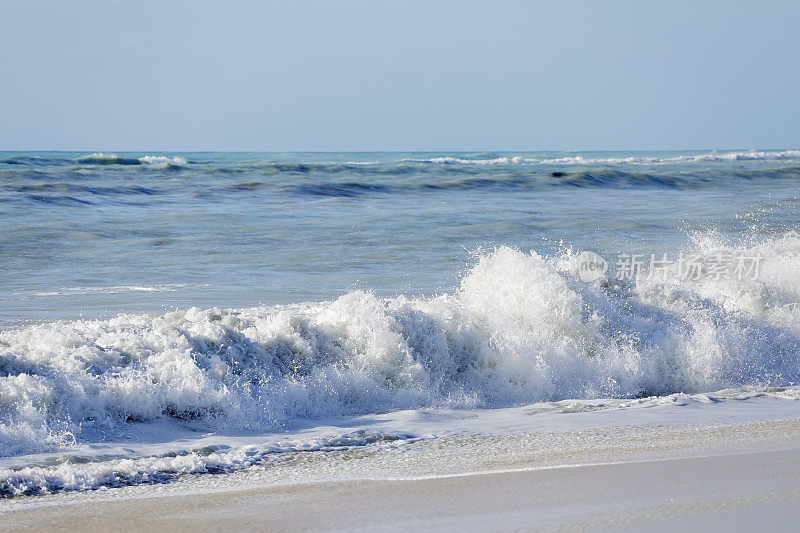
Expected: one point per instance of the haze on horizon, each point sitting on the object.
(362, 76)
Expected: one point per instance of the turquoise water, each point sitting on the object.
(90, 235)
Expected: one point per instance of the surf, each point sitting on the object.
(521, 328)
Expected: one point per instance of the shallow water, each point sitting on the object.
(264, 292)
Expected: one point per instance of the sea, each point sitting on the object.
(165, 315)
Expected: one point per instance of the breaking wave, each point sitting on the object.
(521, 328)
(112, 159)
(750, 155)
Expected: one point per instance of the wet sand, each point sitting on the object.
(736, 477)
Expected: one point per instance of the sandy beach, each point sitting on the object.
(726, 476)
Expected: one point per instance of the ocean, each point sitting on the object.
(170, 314)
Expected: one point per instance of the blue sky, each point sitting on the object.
(373, 75)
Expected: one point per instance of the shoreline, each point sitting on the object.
(585, 497)
(574, 480)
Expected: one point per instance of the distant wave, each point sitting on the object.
(406, 165)
(29, 160)
(93, 159)
(112, 159)
(751, 155)
(329, 167)
(600, 178)
(33, 187)
(89, 180)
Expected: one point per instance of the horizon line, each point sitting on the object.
(504, 150)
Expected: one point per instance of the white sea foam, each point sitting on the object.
(520, 329)
(162, 160)
(89, 473)
(181, 453)
(750, 155)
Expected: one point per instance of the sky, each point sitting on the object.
(399, 75)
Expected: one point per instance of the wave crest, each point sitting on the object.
(715, 156)
(113, 159)
(520, 329)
